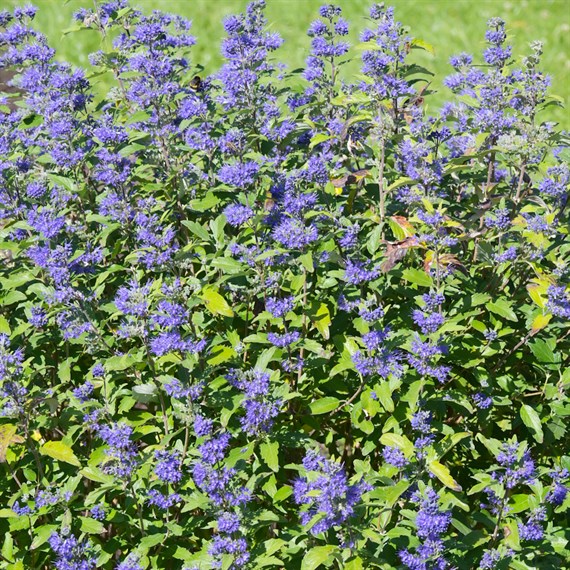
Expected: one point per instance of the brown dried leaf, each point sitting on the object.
(395, 251)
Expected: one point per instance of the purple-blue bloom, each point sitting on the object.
(326, 492)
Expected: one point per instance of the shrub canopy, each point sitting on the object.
(274, 318)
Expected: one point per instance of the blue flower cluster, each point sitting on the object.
(326, 492)
(203, 277)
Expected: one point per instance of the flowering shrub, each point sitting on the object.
(280, 319)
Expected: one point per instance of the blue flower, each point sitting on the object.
(326, 492)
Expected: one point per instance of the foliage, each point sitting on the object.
(272, 319)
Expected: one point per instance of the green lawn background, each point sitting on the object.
(450, 26)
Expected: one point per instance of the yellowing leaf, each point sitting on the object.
(537, 293)
(7, 438)
(443, 474)
(401, 227)
(322, 320)
(60, 451)
(215, 303)
(540, 321)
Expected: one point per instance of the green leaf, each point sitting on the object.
(417, 277)
(8, 547)
(392, 493)
(221, 354)
(537, 292)
(317, 556)
(197, 230)
(151, 540)
(91, 526)
(399, 441)
(270, 453)
(42, 535)
(60, 451)
(543, 352)
(64, 370)
(531, 420)
(322, 320)
(448, 442)
(227, 265)
(307, 261)
(144, 392)
(204, 204)
(282, 494)
(502, 308)
(324, 405)
(215, 303)
(4, 326)
(384, 394)
(417, 43)
(400, 182)
(443, 474)
(95, 474)
(354, 564)
(116, 363)
(374, 240)
(318, 139)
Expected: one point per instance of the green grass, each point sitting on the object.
(451, 26)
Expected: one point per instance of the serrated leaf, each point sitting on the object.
(444, 475)
(502, 308)
(417, 277)
(531, 420)
(60, 451)
(4, 326)
(317, 556)
(221, 354)
(215, 303)
(543, 352)
(91, 526)
(270, 454)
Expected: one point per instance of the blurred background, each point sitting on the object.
(451, 26)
